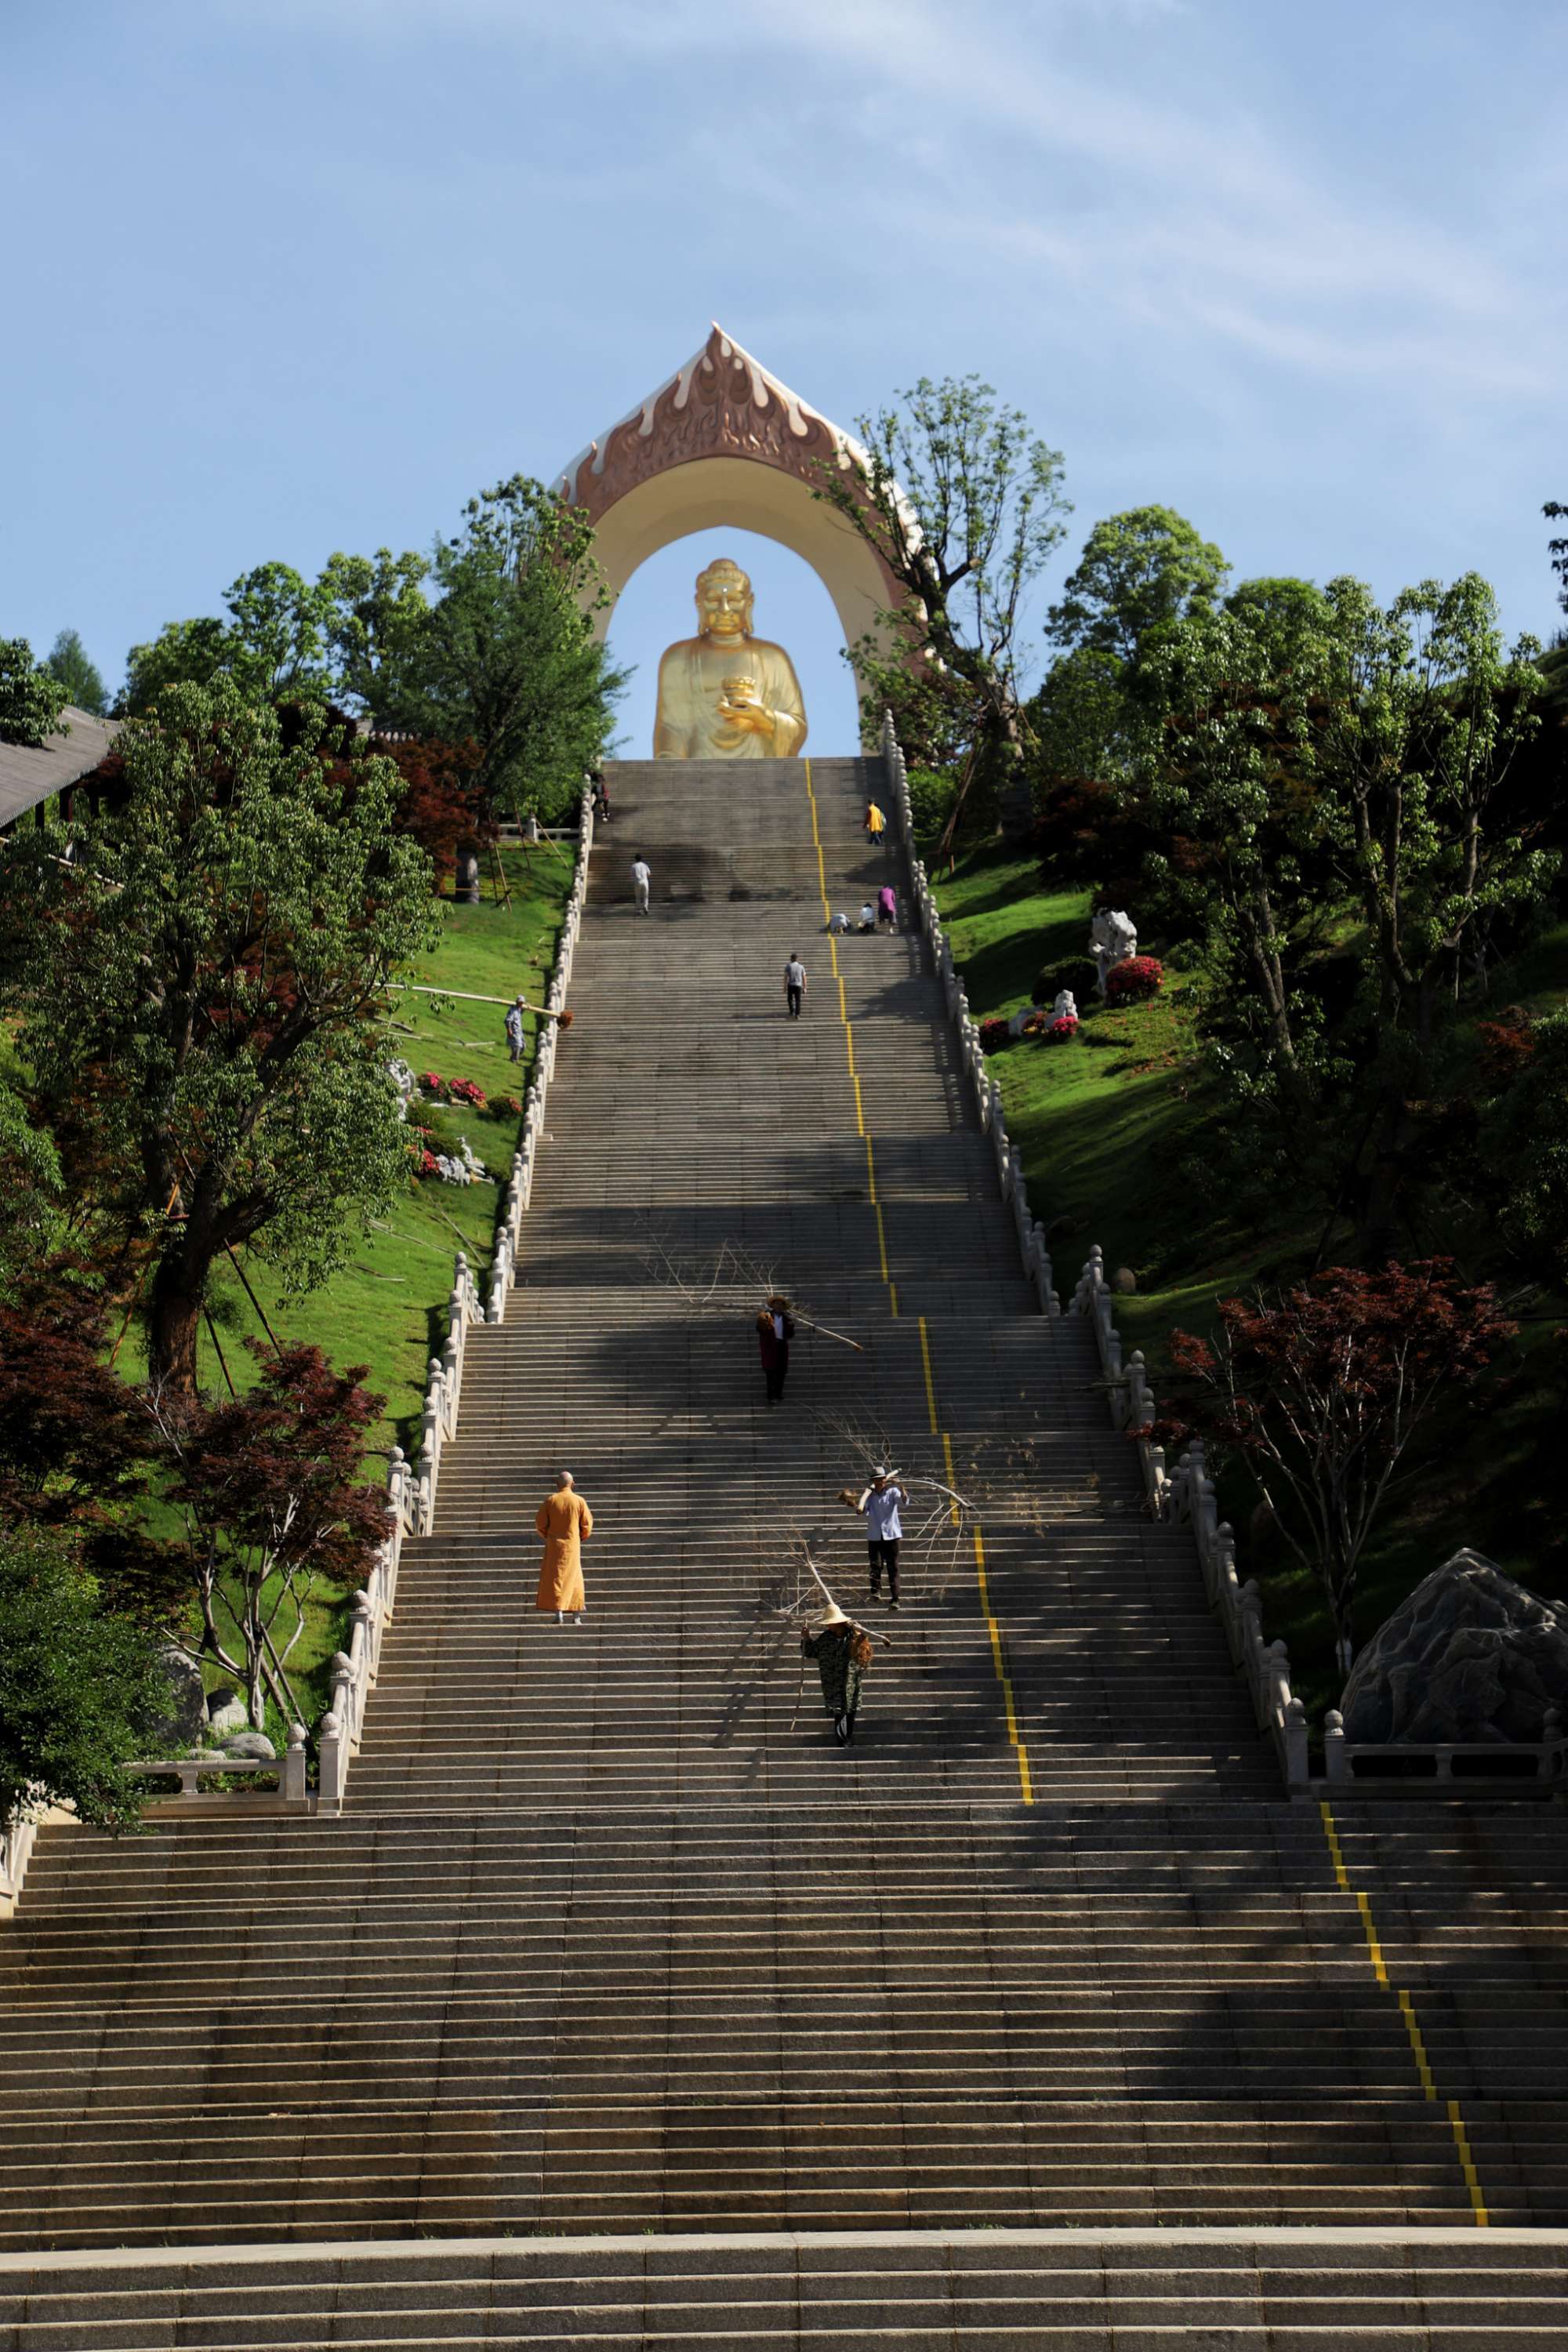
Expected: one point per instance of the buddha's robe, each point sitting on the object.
(565, 1522)
(692, 684)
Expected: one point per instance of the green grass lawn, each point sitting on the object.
(386, 1307)
(1111, 1128)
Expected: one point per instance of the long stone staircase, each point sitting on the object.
(1015, 2023)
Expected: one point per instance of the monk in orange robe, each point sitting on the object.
(566, 1523)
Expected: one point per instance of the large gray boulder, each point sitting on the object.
(226, 1713)
(1471, 1656)
(253, 1746)
(186, 1718)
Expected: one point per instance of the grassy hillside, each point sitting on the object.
(1116, 1130)
(386, 1309)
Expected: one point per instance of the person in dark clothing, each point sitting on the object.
(776, 1329)
(841, 1651)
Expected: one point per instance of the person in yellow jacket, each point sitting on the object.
(566, 1523)
(876, 824)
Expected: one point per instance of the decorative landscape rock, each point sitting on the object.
(250, 1746)
(186, 1718)
(226, 1713)
(1124, 1282)
(1471, 1656)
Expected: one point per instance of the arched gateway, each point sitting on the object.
(721, 443)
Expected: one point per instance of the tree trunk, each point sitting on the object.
(173, 1318)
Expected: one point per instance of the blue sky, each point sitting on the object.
(294, 275)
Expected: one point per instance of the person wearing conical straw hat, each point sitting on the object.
(565, 1522)
(842, 1651)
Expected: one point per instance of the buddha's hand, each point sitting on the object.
(749, 715)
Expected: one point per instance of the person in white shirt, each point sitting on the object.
(642, 878)
(868, 917)
(795, 986)
(884, 1531)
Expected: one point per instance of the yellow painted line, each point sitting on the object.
(1408, 2009)
(930, 1384)
(860, 1126)
(1002, 1676)
(1468, 2165)
(1332, 1835)
(1373, 1947)
(998, 1654)
(882, 1244)
(1412, 2023)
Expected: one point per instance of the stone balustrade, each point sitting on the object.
(518, 1191)
(287, 1773)
(1186, 1496)
(1447, 1768)
(18, 1833)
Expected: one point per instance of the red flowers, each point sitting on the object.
(1134, 978)
(993, 1034)
(1058, 1032)
(463, 1090)
(434, 1086)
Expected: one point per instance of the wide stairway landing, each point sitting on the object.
(612, 1938)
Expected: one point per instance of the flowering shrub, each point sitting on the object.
(434, 1086)
(425, 1163)
(463, 1090)
(993, 1034)
(1058, 1032)
(508, 1106)
(1134, 977)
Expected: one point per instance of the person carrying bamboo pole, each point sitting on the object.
(776, 1329)
(841, 1651)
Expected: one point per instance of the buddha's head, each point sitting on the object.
(723, 600)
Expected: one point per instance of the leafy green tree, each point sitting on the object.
(962, 506)
(1229, 772)
(277, 637)
(1424, 713)
(67, 660)
(204, 996)
(1526, 1141)
(374, 612)
(33, 1227)
(1555, 511)
(82, 1692)
(31, 696)
(507, 655)
(184, 653)
(1139, 571)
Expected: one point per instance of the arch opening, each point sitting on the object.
(793, 608)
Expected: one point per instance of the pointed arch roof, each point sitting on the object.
(721, 403)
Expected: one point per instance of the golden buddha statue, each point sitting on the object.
(724, 693)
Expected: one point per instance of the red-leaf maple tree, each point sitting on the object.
(1320, 1390)
(269, 1487)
